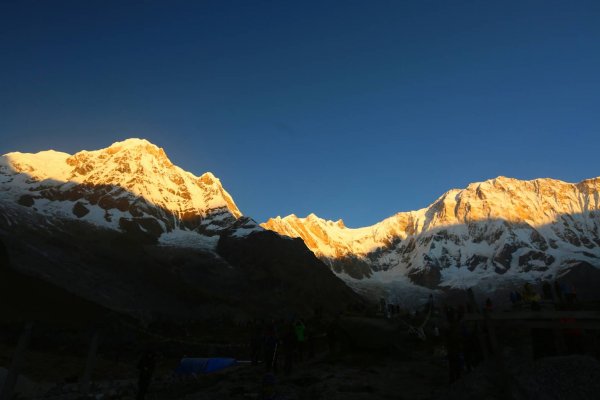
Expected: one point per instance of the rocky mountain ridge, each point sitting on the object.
(495, 229)
(489, 233)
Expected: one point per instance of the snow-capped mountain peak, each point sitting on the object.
(502, 226)
(128, 180)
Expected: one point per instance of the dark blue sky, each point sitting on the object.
(349, 109)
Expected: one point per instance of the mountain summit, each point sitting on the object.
(128, 184)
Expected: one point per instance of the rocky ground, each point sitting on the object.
(355, 376)
(352, 376)
(374, 359)
(573, 377)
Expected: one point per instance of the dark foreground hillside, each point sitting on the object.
(370, 358)
(96, 301)
(258, 275)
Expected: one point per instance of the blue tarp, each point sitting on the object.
(188, 366)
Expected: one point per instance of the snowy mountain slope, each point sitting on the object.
(131, 185)
(501, 227)
(125, 228)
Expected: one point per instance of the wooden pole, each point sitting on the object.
(16, 364)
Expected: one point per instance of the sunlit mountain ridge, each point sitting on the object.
(500, 227)
(129, 182)
(491, 232)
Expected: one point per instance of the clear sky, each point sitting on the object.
(348, 109)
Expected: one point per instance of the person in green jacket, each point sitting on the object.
(300, 331)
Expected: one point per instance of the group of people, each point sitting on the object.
(461, 342)
(467, 341)
(279, 343)
(562, 292)
(289, 341)
(388, 309)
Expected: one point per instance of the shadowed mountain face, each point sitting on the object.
(121, 272)
(126, 229)
(492, 232)
(288, 268)
(25, 298)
